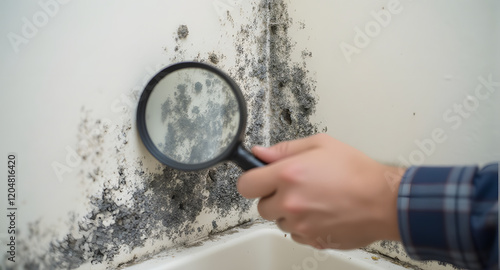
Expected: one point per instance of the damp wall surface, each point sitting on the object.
(406, 82)
(88, 195)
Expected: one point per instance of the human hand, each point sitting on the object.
(324, 193)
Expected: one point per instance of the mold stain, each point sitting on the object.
(182, 31)
(213, 58)
(137, 206)
(197, 125)
(292, 88)
(394, 252)
(134, 204)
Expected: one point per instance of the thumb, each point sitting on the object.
(286, 149)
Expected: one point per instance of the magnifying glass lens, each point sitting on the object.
(192, 115)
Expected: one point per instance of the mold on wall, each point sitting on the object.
(130, 206)
(396, 252)
(292, 100)
(136, 206)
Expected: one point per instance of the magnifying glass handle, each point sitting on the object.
(245, 159)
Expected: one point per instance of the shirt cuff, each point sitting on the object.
(434, 206)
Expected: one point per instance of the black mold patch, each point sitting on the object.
(168, 201)
(164, 207)
(254, 131)
(213, 58)
(292, 100)
(401, 258)
(224, 197)
(182, 31)
(198, 87)
(251, 65)
(201, 135)
(288, 103)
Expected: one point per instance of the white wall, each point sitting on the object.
(387, 91)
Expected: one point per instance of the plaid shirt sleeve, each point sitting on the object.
(450, 214)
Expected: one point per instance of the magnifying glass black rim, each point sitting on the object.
(148, 142)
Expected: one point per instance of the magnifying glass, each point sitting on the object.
(192, 116)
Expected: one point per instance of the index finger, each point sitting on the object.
(288, 148)
(263, 181)
(258, 182)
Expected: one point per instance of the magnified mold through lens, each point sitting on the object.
(192, 115)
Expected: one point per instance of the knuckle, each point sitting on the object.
(282, 147)
(292, 173)
(293, 206)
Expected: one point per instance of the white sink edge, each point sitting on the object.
(200, 245)
(216, 243)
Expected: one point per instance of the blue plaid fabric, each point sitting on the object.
(450, 214)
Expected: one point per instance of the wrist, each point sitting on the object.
(392, 177)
